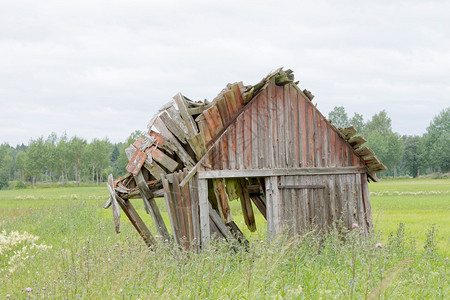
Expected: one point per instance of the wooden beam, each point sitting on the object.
(279, 172)
(204, 212)
(150, 202)
(137, 222)
(272, 206)
(185, 115)
(114, 204)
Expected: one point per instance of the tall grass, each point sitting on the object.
(78, 255)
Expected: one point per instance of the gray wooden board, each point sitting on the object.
(169, 207)
(147, 195)
(279, 172)
(137, 222)
(114, 204)
(193, 189)
(255, 125)
(204, 211)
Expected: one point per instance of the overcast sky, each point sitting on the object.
(103, 68)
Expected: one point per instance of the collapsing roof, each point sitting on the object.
(268, 130)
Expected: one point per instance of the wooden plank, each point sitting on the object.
(222, 198)
(303, 129)
(279, 172)
(170, 208)
(204, 129)
(364, 152)
(172, 143)
(289, 127)
(162, 159)
(187, 197)
(296, 127)
(174, 209)
(180, 206)
(173, 127)
(325, 142)
(261, 115)
(259, 203)
(271, 120)
(333, 148)
(220, 225)
(348, 132)
(204, 212)
(185, 115)
(231, 102)
(223, 110)
(366, 202)
(232, 147)
(356, 141)
(176, 116)
(310, 135)
(246, 204)
(301, 186)
(240, 142)
(317, 140)
(282, 159)
(238, 234)
(148, 198)
(247, 129)
(114, 204)
(213, 120)
(237, 95)
(137, 222)
(224, 151)
(154, 169)
(272, 205)
(193, 191)
(161, 142)
(254, 131)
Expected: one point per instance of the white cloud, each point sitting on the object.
(103, 68)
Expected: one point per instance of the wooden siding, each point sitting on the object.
(278, 128)
(315, 202)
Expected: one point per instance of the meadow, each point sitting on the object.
(60, 243)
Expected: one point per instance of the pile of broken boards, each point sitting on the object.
(179, 140)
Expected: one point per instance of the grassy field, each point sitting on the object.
(60, 243)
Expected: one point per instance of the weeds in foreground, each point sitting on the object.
(85, 259)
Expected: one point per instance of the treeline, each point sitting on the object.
(65, 160)
(411, 155)
(62, 160)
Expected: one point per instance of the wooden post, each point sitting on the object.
(204, 211)
(147, 196)
(272, 206)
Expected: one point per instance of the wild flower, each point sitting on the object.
(8, 296)
(378, 245)
(44, 288)
(109, 259)
(166, 240)
(354, 225)
(84, 248)
(116, 245)
(28, 289)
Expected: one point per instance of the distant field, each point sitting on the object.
(60, 243)
(418, 204)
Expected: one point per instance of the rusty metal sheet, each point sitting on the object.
(136, 162)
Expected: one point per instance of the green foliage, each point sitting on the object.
(5, 165)
(436, 145)
(357, 121)
(338, 117)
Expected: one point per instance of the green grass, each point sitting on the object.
(88, 260)
(419, 204)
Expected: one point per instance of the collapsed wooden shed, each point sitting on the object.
(265, 144)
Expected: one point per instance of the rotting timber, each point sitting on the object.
(266, 145)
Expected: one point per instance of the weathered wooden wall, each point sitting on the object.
(297, 204)
(280, 128)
